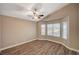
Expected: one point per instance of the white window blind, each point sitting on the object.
(50, 29)
(43, 28)
(56, 30)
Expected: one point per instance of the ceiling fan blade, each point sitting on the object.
(41, 15)
(37, 6)
(30, 16)
(24, 7)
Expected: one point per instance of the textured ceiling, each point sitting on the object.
(24, 10)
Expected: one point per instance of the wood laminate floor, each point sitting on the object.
(39, 47)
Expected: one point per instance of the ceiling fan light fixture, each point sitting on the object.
(35, 17)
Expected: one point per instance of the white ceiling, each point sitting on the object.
(23, 10)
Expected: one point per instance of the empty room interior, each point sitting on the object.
(39, 29)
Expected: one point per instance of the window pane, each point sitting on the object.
(65, 30)
(43, 29)
(50, 29)
(56, 31)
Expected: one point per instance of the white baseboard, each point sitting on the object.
(16, 44)
(61, 44)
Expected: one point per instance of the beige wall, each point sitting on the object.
(0, 32)
(17, 31)
(78, 23)
(71, 11)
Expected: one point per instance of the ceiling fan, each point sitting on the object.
(36, 14)
(34, 11)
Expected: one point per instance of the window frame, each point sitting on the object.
(66, 19)
(59, 30)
